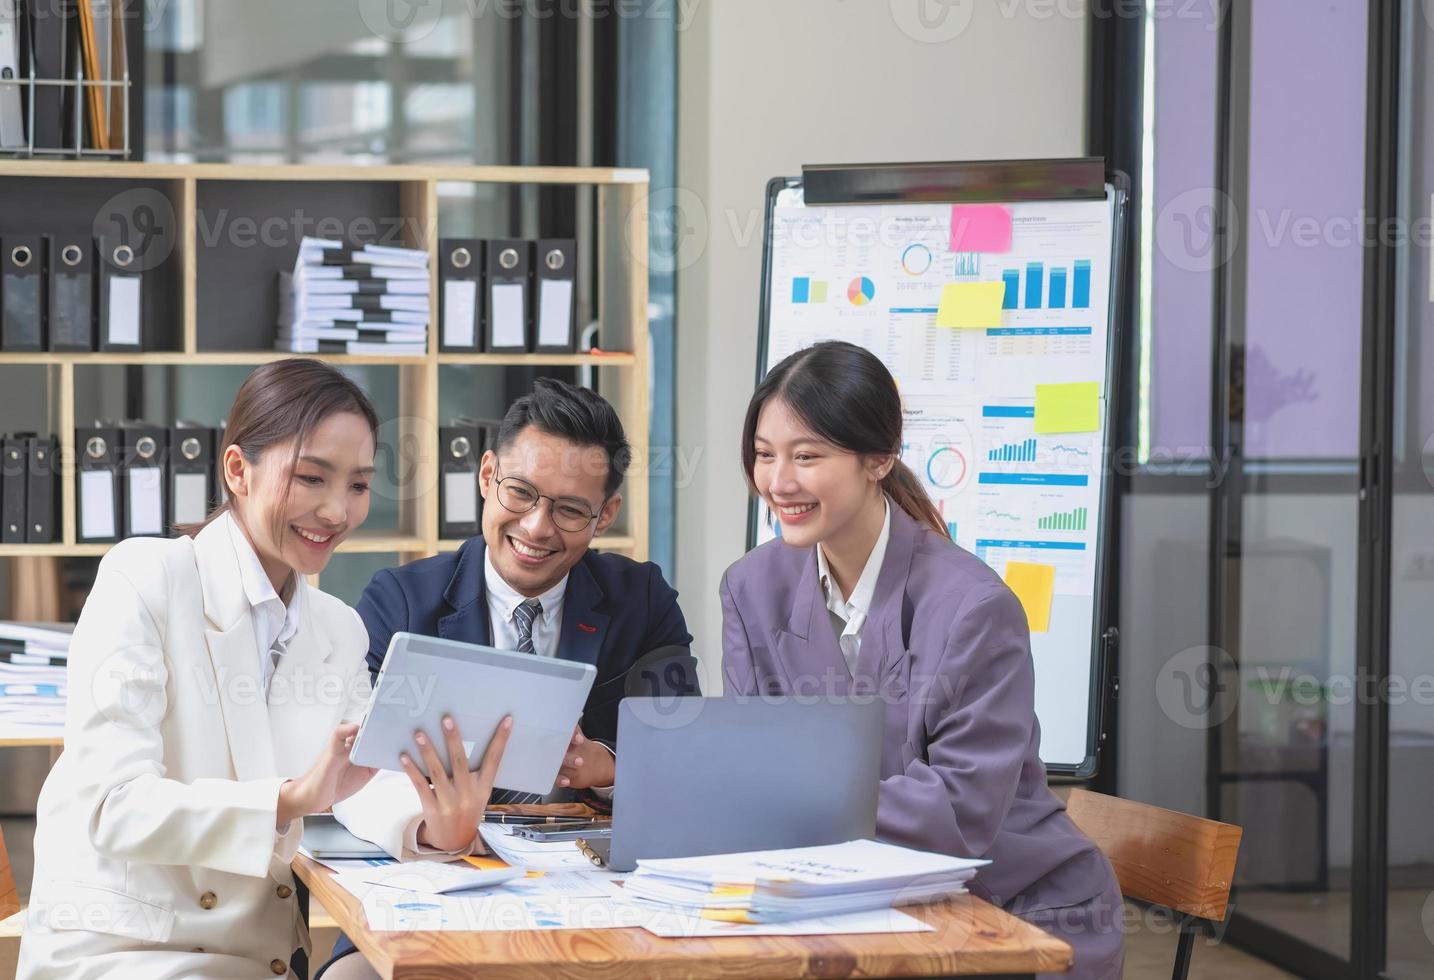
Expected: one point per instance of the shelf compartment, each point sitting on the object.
(149, 212)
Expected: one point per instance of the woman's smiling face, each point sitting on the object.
(296, 518)
(812, 487)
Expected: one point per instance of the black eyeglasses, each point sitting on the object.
(520, 496)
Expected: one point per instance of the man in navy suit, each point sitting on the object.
(531, 583)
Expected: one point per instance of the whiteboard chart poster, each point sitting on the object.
(1025, 502)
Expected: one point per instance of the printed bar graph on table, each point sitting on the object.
(1012, 279)
(819, 292)
(1070, 520)
(1080, 288)
(1034, 282)
(1019, 452)
(968, 264)
(1058, 289)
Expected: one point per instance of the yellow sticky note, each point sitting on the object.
(970, 305)
(485, 863)
(740, 916)
(1033, 585)
(1068, 408)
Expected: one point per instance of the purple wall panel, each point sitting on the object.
(1186, 53)
(1303, 228)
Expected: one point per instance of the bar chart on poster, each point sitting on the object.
(995, 320)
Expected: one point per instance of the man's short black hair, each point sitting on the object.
(579, 415)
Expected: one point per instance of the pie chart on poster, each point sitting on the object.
(861, 291)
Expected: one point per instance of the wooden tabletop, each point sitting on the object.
(972, 938)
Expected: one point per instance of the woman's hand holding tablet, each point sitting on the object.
(453, 802)
(331, 779)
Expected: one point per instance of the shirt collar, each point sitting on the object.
(865, 588)
(507, 599)
(259, 590)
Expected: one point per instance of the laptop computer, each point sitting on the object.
(722, 775)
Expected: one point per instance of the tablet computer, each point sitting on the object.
(426, 677)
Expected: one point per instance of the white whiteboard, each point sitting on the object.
(873, 275)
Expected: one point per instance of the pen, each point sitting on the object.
(499, 816)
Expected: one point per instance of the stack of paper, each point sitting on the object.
(368, 299)
(32, 680)
(798, 883)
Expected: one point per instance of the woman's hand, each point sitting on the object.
(453, 803)
(330, 779)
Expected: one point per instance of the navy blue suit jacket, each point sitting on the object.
(615, 612)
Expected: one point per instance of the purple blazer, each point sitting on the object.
(946, 646)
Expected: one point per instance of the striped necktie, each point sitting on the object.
(523, 618)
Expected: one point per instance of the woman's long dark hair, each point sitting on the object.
(846, 397)
(282, 402)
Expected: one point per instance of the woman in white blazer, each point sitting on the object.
(212, 694)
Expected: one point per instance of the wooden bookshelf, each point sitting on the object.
(213, 310)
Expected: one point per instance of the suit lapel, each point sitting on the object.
(881, 637)
(584, 627)
(467, 596)
(232, 653)
(808, 648)
(307, 665)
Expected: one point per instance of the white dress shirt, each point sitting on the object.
(503, 601)
(849, 615)
(274, 623)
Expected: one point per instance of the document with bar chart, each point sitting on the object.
(1022, 498)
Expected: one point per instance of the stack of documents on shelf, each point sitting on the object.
(32, 679)
(790, 885)
(368, 299)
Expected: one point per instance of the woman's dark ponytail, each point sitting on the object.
(846, 396)
(902, 486)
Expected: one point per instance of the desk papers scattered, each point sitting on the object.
(435, 877)
(844, 889)
(559, 900)
(674, 926)
(532, 854)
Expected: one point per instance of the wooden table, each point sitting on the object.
(972, 938)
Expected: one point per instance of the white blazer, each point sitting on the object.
(156, 853)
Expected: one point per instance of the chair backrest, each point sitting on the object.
(1161, 856)
(9, 896)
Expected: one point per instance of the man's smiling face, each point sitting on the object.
(530, 550)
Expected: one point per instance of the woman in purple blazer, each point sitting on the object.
(865, 593)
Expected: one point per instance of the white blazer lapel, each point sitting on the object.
(232, 652)
(306, 681)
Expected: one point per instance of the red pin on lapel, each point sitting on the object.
(586, 628)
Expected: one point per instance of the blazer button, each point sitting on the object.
(278, 968)
(208, 900)
(283, 891)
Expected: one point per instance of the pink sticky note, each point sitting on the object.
(980, 228)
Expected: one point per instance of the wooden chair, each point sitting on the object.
(1173, 860)
(11, 922)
